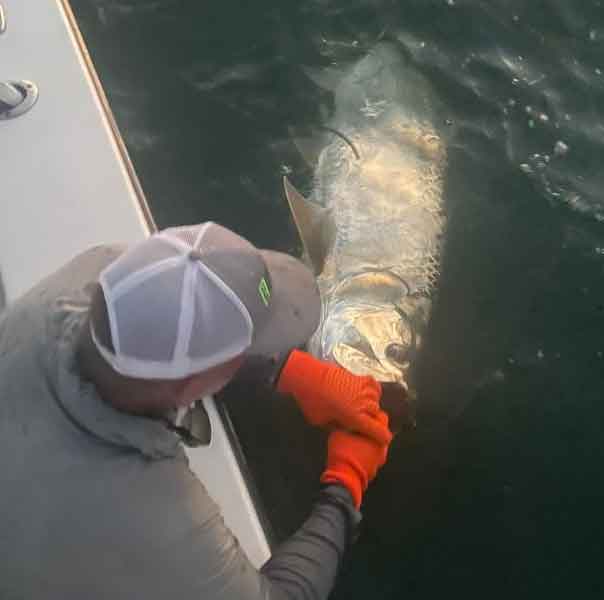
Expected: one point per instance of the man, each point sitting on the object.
(96, 497)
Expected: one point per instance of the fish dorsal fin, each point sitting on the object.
(313, 224)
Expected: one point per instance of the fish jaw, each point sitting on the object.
(366, 331)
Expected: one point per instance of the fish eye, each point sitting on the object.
(397, 352)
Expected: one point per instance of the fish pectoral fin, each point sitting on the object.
(314, 225)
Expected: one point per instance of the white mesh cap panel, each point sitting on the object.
(221, 327)
(147, 316)
(188, 235)
(138, 257)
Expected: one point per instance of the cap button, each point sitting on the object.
(195, 255)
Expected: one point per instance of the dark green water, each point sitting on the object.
(500, 491)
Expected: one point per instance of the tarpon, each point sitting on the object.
(373, 223)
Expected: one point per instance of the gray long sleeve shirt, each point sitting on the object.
(95, 503)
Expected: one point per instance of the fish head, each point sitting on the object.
(374, 340)
(384, 78)
(364, 328)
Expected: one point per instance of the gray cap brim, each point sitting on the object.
(295, 307)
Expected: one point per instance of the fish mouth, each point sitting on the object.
(365, 329)
(397, 353)
(358, 362)
(377, 341)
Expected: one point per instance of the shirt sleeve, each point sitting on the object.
(305, 566)
(193, 552)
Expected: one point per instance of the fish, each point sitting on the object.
(373, 224)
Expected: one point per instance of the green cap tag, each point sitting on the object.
(264, 291)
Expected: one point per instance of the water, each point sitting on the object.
(500, 490)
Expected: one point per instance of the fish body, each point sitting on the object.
(373, 224)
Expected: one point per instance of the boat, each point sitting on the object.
(67, 184)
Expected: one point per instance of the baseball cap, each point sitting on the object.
(187, 299)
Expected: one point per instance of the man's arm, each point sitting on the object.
(305, 566)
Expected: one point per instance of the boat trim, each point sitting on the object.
(121, 146)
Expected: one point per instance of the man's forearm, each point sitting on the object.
(305, 566)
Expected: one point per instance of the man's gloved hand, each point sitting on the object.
(353, 460)
(330, 395)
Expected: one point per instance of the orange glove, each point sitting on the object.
(353, 460)
(328, 394)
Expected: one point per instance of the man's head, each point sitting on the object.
(179, 313)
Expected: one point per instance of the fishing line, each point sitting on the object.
(342, 137)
